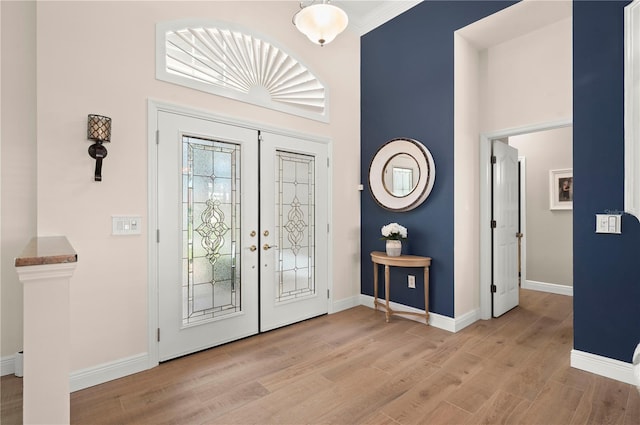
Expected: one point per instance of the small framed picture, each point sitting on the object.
(561, 189)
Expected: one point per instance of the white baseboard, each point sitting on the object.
(7, 365)
(603, 366)
(94, 375)
(466, 319)
(106, 372)
(553, 288)
(344, 304)
(436, 320)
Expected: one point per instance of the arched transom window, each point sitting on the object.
(222, 59)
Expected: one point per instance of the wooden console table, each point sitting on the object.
(379, 258)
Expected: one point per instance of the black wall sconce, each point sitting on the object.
(99, 130)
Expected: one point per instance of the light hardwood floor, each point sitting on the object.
(353, 368)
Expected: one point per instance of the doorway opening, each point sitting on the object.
(486, 266)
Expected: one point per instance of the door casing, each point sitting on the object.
(153, 107)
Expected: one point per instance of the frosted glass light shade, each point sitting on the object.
(321, 23)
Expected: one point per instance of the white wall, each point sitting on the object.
(99, 57)
(18, 110)
(466, 197)
(515, 82)
(548, 233)
(528, 80)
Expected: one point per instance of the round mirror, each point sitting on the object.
(401, 174)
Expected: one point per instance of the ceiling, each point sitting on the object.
(509, 23)
(367, 15)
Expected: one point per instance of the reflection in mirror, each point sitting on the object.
(401, 175)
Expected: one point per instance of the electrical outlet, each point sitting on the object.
(411, 280)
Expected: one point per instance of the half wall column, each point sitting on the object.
(45, 269)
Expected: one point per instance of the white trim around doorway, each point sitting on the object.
(485, 201)
(153, 108)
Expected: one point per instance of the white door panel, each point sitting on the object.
(293, 229)
(505, 215)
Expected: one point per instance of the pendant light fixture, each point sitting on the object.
(320, 22)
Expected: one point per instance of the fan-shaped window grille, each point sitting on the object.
(222, 59)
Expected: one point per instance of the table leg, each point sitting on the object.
(386, 290)
(426, 294)
(375, 286)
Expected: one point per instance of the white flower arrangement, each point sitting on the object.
(394, 232)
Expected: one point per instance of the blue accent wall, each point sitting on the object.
(606, 267)
(407, 91)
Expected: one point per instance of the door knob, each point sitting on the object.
(252, 248)
(267, 246)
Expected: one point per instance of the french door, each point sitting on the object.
(231, 238)
(293, 220)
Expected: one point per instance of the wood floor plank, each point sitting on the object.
(532, 374)
(422, 399)
(632, 413)
(378, 418)
(446, 413)
(512, 357)
(235, 397)
(266, 409)
(355, 407)
(575, 378)
(538, 334)
(555, 404)
(501, 409)
(333, 398)
(313, 361)
(479, 389)
(605, 403)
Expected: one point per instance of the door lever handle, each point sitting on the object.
(267, 246)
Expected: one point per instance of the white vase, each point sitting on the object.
(394, 248)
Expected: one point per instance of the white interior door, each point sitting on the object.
(208, 219)
(293, 230)
(505, 215)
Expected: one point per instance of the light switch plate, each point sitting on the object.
(126, 225)
(608, 223)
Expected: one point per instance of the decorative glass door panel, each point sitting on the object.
(293, 225)
(295, 181)
(211, 229)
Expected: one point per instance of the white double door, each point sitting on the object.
(242, 217)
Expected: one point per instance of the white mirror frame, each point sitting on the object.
(632, 108)
(423, 188)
